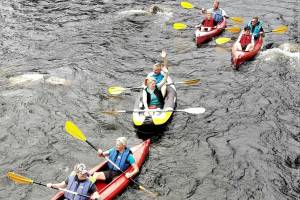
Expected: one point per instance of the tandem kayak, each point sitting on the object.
(205, 36)
(157, 119)
(110, 190)
(239, 57)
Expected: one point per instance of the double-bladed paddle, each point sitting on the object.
(188, 5)
(24, 180)
(279, 30)
(182, 26)
(115, 90)
(195, 111)
(74, 131)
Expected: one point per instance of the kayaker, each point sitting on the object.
(255, 27)
(217, 12)
(153, 9)
(79, 181)
(157, 72)
(245, 42)
(152, 95)
(208, 23)
(122, 156)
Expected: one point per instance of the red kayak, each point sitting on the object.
(202, 37)
(239, 57)
(112, 189)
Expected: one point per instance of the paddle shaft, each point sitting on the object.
(38, 183)
(189, 110)
(139, 88)
(274, 31)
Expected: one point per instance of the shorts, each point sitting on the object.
(110, 174)
(244, 47)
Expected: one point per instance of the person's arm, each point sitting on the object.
(134, 165)
(166, 74)
(224, 14)
(145, 102)
(202, 23)
(164, 58)
(61, 185)
(102, 153)
(252, 43)
(240, 36)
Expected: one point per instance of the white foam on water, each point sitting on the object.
(277, 51)
(26, 78)
(277, 54)
(57, 81)
(140, 11)
(132, 12)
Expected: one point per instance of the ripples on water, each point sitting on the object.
(246, 146)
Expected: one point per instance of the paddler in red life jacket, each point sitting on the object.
(245, 42)
(217, 12)
(80, 182)
(157, 72)
(208, 23)
(255, 27)
(152, 95)
(122, 157)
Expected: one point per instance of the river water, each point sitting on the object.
(58, 57)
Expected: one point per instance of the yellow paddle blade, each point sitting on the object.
(186, 5)
(179, 26)
(237, 19)
(149, 192)
(18, 178)
(222, 40)
(115, 90)
(280, 29)
(191, 82)
(234, 29)
(73, 130)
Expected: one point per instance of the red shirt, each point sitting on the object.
(245, 40)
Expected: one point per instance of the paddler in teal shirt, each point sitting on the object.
(255, 27)
(152, 95)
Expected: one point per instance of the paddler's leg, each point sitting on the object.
(99, 176)
(163, 90)
(249, 47)
(238, 46)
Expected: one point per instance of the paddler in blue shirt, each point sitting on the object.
(157, 72)
(121, 156)
(255, 27)
(218, 13)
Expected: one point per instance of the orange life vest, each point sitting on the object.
(245, 40)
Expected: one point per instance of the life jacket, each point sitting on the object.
(158, 94)
(245, 40)
(81, 187)
(217, 15)
(208, 23)
(255, 30)
(158, 77)
(120, 159)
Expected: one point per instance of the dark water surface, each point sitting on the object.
(246, 145)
